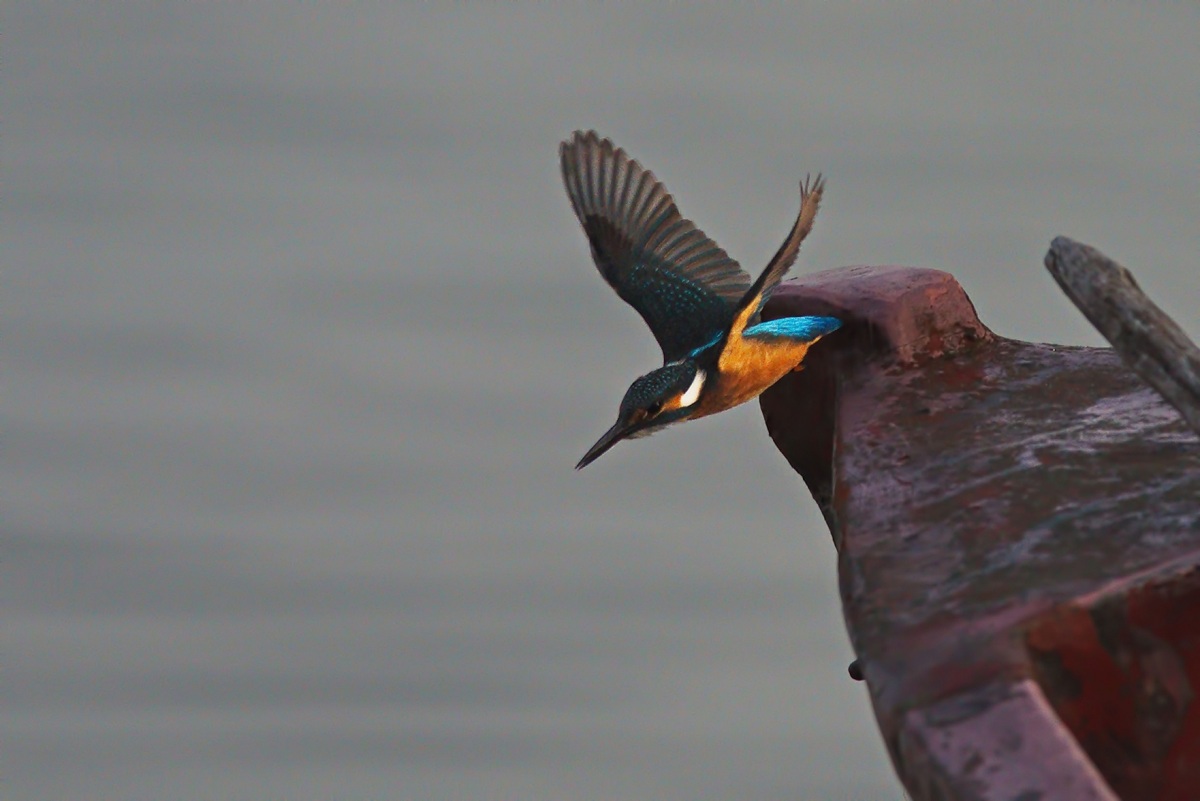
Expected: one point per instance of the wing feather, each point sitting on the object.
(750, 307)
(682, 283)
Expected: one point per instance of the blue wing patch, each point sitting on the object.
(799, 328)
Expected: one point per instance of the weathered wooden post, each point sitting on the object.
(1017, 527)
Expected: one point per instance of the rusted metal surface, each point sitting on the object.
(967, 746)
(1018, 530)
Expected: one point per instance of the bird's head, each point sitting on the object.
(657, 399)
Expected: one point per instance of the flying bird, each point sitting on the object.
(700, 305)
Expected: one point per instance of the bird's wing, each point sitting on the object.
(750, 306)
(682, 284)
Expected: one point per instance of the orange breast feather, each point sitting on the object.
(747, 367)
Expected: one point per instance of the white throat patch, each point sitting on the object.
(693, 392)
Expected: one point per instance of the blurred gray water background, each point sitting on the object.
(301, 342)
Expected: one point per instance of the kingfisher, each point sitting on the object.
(698, 302)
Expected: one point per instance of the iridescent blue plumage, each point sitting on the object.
(794, 328)
(699, 304)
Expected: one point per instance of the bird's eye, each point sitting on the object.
(653, 409)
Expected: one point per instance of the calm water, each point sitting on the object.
(302, 341)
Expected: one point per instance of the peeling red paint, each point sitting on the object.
(1007, 514)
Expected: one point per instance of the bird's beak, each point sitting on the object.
(618, 432)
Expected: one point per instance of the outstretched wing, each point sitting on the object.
(750, 305)
(682, 284)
